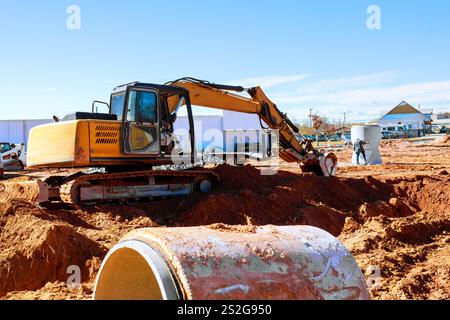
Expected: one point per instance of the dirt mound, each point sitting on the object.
(425, 193)
(395, 144)
(442, 140)
(247, 177)
(34, 250)
(52, 291)
(394, 208)
(411, 254)
(289, 199)
(418, 229)
(394, 217)
(22, 190)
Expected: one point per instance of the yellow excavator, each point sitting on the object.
(137, 134)
(209, 262)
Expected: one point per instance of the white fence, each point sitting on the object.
(239, 123)
(16, 131)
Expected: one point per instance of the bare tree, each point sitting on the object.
(317, 125)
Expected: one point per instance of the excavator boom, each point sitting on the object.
(218, 96)
(137, 134)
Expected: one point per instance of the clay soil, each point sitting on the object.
(395, 219)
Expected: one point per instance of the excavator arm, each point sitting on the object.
(217, 96)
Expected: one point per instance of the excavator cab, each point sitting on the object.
(147, 123)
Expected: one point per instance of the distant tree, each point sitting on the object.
(317, 123)
(305, 129)
(330, 129)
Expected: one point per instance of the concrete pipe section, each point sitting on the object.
(221, 262)
(372, 136)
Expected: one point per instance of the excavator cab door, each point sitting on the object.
(141, 133)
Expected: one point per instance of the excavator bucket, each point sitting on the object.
(328, 164)
(225, 262)
(324, 165)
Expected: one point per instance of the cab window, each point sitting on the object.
(142, 107)
(5, 147)
(117, 105)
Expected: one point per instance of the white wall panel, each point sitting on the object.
(240, 121)
(16, 131)
(206, 127)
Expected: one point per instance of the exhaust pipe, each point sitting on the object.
(230, 263)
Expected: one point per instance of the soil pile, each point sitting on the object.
(393, 217)
(291, 199)
(411, 254)
(24, 190)
(442, 140)
(35, 250)
(398, 144)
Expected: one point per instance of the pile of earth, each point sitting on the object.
(407, 258)
(246, 197)
(442, 140)
(373, 216)
(36, 248)
(396, 143)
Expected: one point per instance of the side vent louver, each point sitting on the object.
(107, 134)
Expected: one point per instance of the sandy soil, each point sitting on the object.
(395, 218)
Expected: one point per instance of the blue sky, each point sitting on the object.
(305, 54)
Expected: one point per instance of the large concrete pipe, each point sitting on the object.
(220, 262)
(371, 135)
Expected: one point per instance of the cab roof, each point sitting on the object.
(140, 85)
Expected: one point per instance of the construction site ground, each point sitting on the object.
(394, 218)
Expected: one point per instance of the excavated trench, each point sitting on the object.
(246, 197)
(37, 245)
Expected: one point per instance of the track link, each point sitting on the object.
(70, 192)
(69, 187)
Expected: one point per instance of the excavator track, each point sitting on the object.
(148, 173)
(70, 188)
(70, 192)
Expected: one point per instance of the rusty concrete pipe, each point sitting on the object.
(220, 262)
